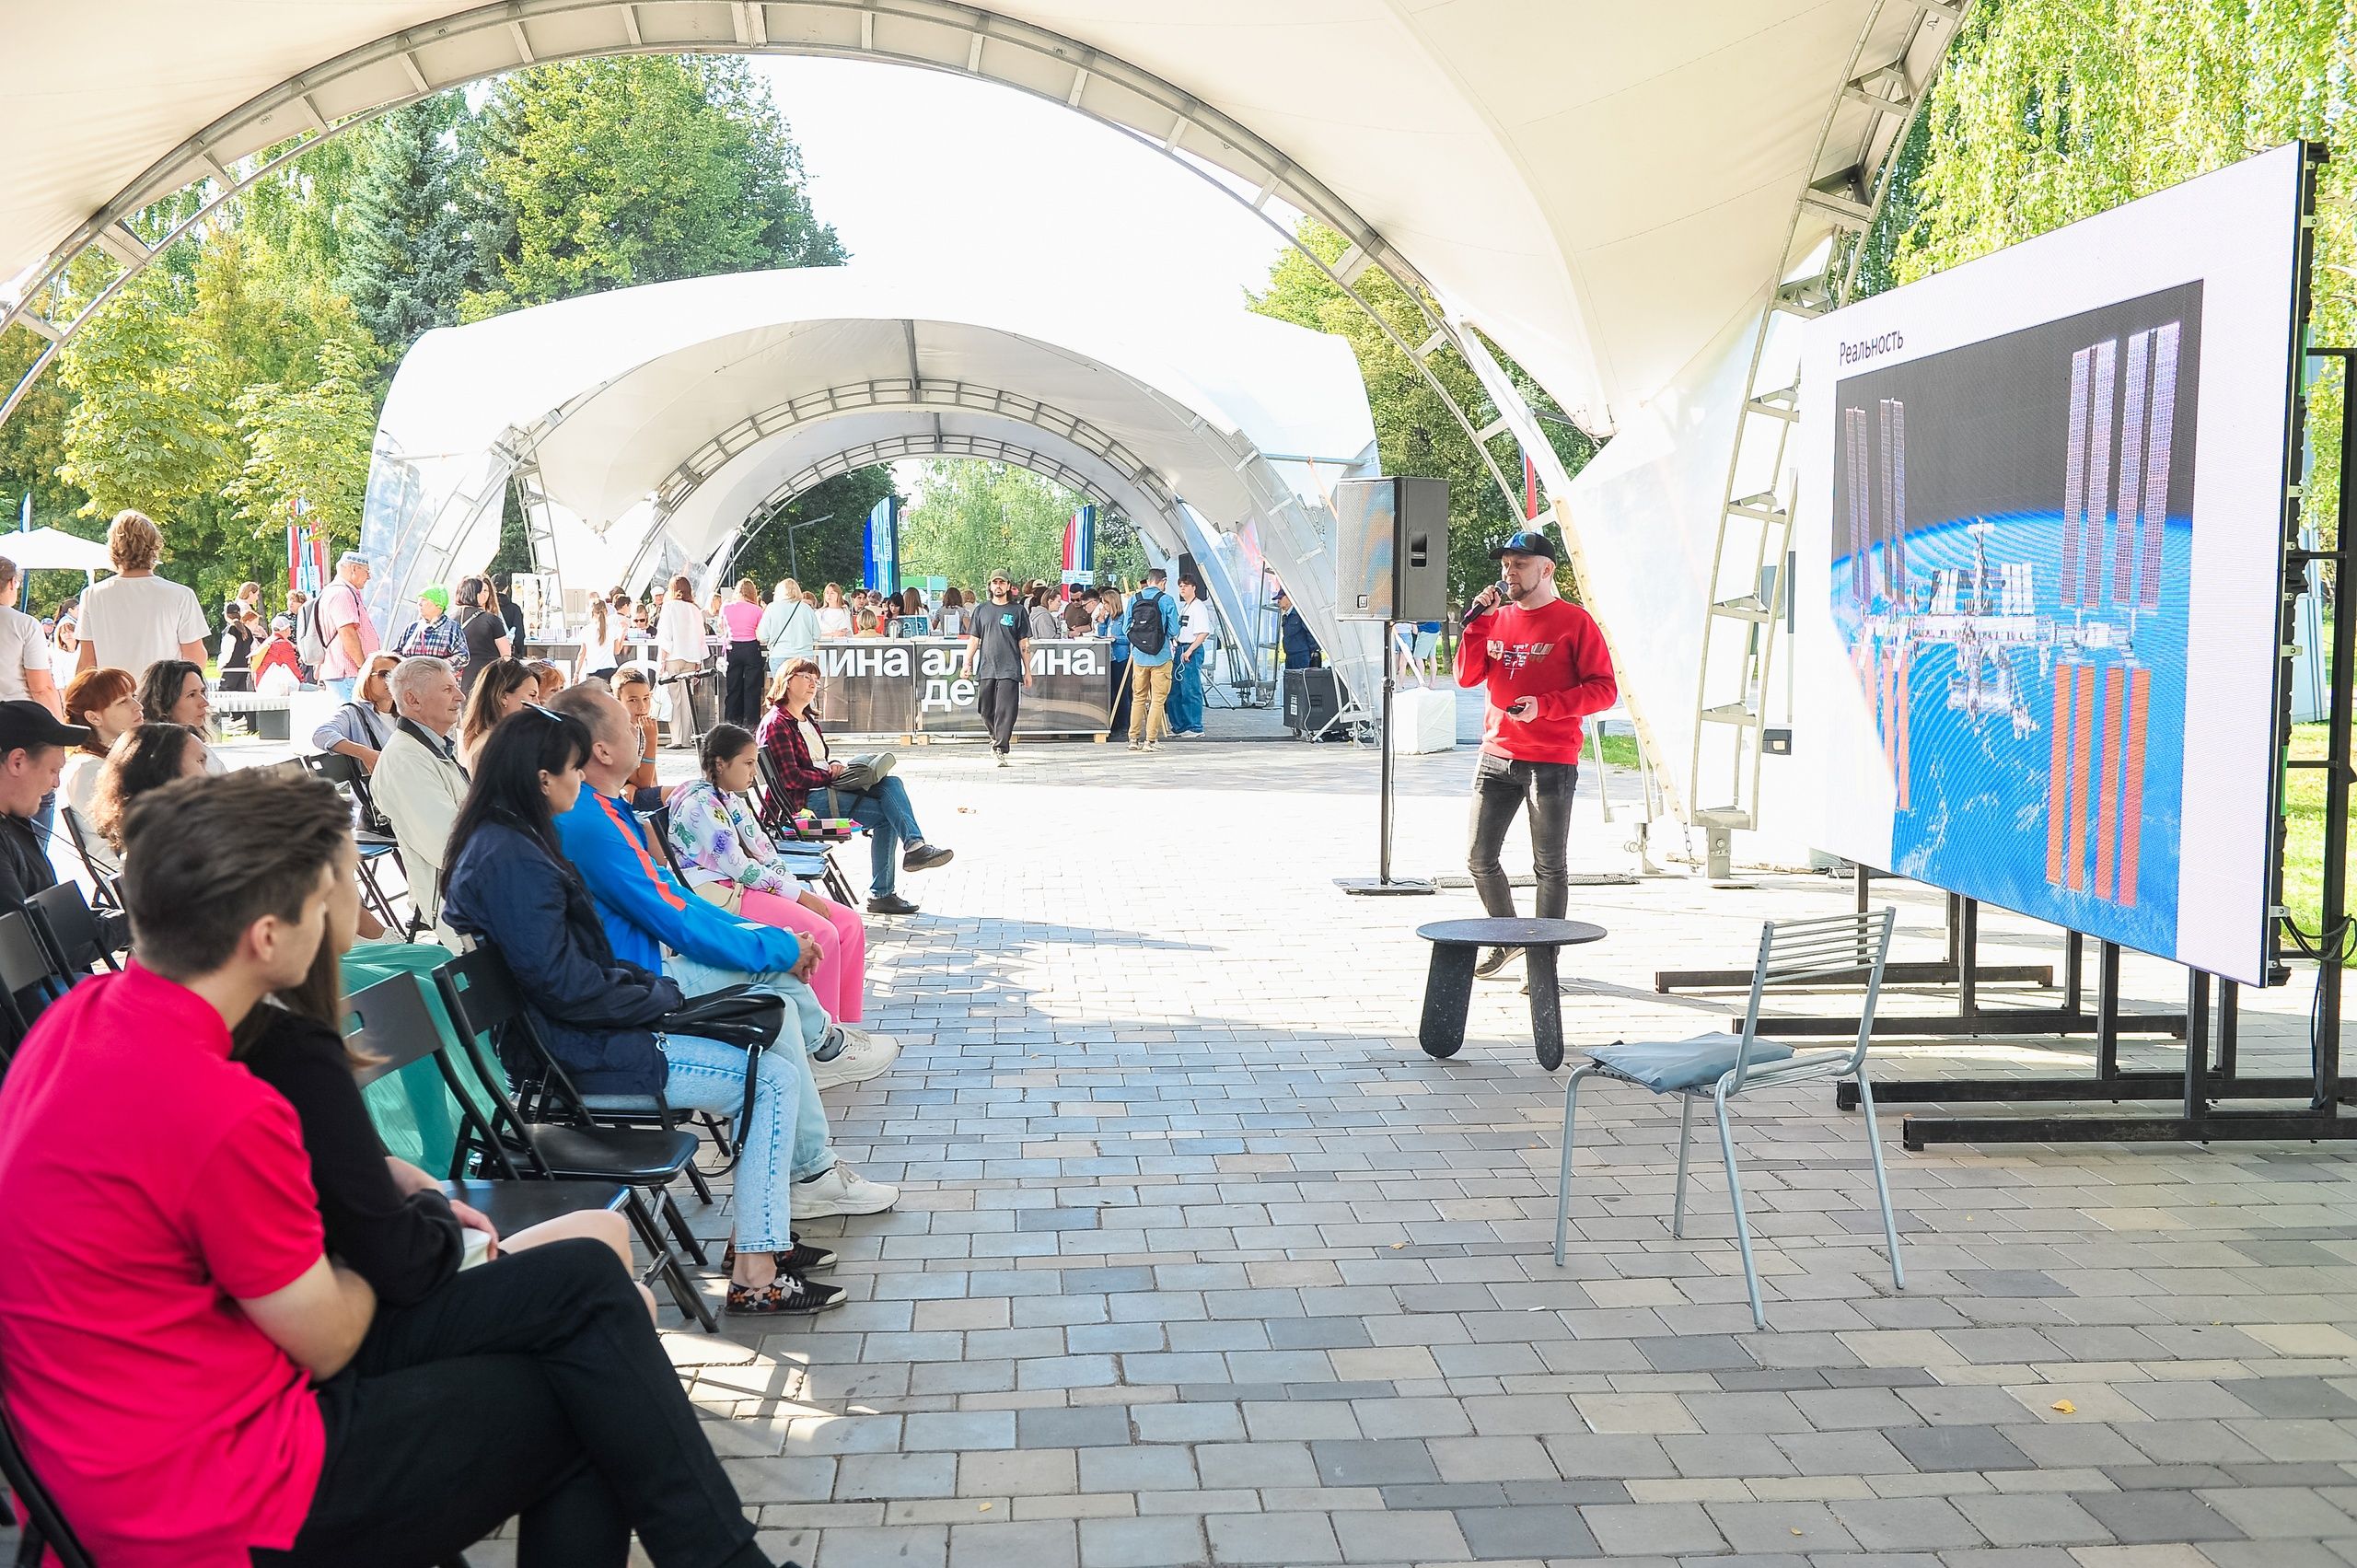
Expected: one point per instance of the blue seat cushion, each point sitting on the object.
(1665, 1064)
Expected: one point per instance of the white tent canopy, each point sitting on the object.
(51, 549)
(671, 413)
(1607, 192)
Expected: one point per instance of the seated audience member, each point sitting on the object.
(32, 753)
(730, 861)
(360, 727)
(790, 735)
(106, 702)
(500, 688)
(385, 1220)
(146, 758)
(511, 884)
(193, 1379)
(652, 920)
(419, 785)
(172, 692)
(550, 678)
(637, 692)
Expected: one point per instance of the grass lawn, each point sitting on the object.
(2304, 844)
(1619, 749)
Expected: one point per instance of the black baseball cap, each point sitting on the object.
(1524, 541)
(25, 724)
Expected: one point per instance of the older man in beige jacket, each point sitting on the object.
(418, 784)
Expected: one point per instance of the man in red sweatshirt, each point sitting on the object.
(1547, 669)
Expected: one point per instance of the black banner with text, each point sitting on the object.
(920, 686)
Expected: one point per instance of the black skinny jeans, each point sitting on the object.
(1501, 787)
(532, 1388)
(748, 667)
(996, 698)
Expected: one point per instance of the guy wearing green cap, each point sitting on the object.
(434, 634)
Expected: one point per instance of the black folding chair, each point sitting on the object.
(394, 1029)
(351, 781)
(26, 972)
(838, 886)
(485, 1003)
(103, 878)
(69, 929)
(44, 1527)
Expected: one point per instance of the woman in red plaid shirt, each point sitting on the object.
(791, 739)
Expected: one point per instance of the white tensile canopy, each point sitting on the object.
(53, 550)
(1607, 192)
(652, 422)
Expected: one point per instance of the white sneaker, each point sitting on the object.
(842, 1191)
(863, 1057)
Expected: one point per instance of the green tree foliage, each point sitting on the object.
(1414, 431)
(407, 255)
(598, 174)
(972, 518)
(148, 427)
(2050, 110)
(829, 546)
(308, 442)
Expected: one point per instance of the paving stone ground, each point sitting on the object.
(1199, 1260)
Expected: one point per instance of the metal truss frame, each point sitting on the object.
(265, 134)
(1865, 127)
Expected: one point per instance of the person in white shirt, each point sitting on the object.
(789, 628)
(25, 668)
(834, 615)
(683, 643)
(1186, 705)
(135, 617)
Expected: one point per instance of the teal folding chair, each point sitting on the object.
(1836, 949)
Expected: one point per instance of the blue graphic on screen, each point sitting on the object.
(2013, 542)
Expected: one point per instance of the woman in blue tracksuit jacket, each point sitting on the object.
(509, 885)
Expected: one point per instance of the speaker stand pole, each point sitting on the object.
(1384, 882)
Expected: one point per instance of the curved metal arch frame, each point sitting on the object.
(904, 392)
(1767, 415)
(997, 49)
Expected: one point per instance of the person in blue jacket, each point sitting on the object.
(510, 886)
(1300, 644)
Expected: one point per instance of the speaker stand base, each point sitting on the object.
(1380, 886)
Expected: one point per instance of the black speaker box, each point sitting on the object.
(1391, 548)
(1312, 699)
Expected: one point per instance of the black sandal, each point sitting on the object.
(785, 1295)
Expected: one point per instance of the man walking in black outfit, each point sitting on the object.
(998, 654)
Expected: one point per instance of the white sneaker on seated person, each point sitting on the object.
(849, 1055)
(838, 1190)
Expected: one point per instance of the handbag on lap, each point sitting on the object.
(750, 1016)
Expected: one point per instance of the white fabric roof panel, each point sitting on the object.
(1599, 187)
(748, 380)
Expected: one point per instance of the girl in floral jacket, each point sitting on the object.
(729, 860)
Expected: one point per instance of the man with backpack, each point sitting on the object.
(338, 623)
(1154, 637)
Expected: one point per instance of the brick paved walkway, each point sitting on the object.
(1199, 1260)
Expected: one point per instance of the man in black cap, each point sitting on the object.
(1547, 669)
(1298, 643)
(32, 753)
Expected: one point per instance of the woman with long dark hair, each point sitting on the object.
(510, 886)
(172, 692)
(385, 1219)
(501, 687)
(146, 758)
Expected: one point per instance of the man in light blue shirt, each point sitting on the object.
(789, 628)
(1153, 638)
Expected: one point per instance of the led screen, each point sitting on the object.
(2039, 540)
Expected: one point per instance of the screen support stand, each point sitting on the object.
(1384, 882)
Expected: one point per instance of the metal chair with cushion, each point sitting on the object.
(485, 1003)
(27, 977)
(1838, 950)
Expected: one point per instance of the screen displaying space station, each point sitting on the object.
(2037, 655)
